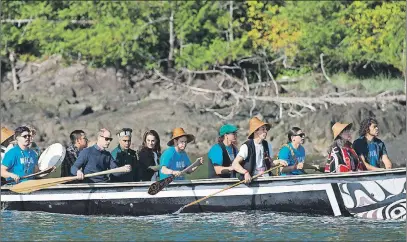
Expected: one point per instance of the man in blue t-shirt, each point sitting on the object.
(222, 154)
(20, 160)
(174, 159)
(369, 148)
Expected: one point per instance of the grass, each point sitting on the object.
(375, 85)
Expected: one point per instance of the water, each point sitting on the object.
(234, 226)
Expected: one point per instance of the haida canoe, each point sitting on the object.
(377, 195)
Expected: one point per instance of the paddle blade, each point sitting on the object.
(157, 186)
(179, 210)
(35, 185)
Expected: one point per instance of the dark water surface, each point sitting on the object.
(234, 226)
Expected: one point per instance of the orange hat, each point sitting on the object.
(337, 128)
(179, 132)
(5, 134)
(254, 124)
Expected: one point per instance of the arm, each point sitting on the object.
(6, 174)
(368, 166)
(285, 154)
(76, 168)
(240, 157)
(387, 162)
(168, 171)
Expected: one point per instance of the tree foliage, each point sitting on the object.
(207, 34)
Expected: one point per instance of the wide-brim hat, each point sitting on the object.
(6, 134)
(256, 123)
(337, 128)
(179, 132)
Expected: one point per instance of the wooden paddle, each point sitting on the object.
(46, 171)
(157, 186)
(35, 185)
(227, 188)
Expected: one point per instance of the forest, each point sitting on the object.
(362, 38)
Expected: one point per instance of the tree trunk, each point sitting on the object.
(171, 41)
(13, 70)
(231, 21)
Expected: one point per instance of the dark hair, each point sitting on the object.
(157, 146)
(76, 134)
(292, 132)
(365, 124)
(18, 131)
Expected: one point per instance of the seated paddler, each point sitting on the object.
(294, 153)
(341, 156)
(20, 160)
(95, 159)
(254, 157)
(124, 155)
(175, 159)
(224, 152)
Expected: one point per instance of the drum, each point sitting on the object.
(52, 156)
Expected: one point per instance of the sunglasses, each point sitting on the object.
(126, 141)
(26, 136)
(107, 138)
(302, 135)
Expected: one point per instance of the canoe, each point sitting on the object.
(376, 195)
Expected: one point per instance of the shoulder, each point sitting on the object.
(379, 141)
(244, 146)
(169, 152)
(215, 147)
(358, 140)
(284, 148)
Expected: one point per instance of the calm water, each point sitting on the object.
(205, 226)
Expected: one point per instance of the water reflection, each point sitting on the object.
(246, 226)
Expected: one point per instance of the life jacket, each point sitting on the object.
(226, 159)
(250, 162)
(343, 159)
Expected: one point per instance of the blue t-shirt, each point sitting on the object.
(174, 160)
(285, 154)
(215, 154)
(371, 150)
(20, 162)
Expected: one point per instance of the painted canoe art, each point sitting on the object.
(375, 195)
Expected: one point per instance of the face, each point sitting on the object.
(150, 141)
(181, 143)
(374, 130)
(298, 138)
(105, 139)
(125, 142)
(231, 137)
(346, 135)
(82, 142)
(24, 139)
(261, 132)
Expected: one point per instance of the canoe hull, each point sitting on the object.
(337, 195)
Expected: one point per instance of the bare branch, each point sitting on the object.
(321, 56)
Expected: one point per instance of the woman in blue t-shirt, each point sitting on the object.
(293, 152)
(174, 159)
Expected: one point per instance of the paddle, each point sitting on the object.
(157, 186)
(48, 170)
(35, 185)
(227, 188)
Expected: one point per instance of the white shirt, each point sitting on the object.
(243, 152)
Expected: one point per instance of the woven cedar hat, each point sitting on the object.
(337, 128)
(179, 132)
(254, 124)
(6, 134)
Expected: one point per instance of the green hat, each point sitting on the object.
(227, 129)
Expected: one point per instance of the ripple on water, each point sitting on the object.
(252, 225)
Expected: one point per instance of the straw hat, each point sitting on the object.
(337, 128)
(179, 132)
(254, 124)
(5, 134)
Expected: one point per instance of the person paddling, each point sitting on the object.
(175, 159)
(255, 154)
(342, 157)
(224, 152)
(20, 160)
(369, 148)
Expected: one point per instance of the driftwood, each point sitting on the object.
(242, 92)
